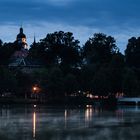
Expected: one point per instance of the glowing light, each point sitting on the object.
(34, 88)
(89, 106)
(90, 96)
(34, 105)
(34, 125)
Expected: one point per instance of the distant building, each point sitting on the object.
(20, 57)
(21, 39)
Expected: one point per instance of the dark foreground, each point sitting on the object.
(39, 122)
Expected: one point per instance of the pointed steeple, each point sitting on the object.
(21, 30)
(34, 42)
(34, 39)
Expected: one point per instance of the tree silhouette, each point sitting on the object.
(57, 48)
(99, 48)
(132, 52)
(6, 51)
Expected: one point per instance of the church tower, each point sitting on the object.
(21, 39)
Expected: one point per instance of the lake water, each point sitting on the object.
(62, 123)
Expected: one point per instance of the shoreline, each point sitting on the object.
(69, 102)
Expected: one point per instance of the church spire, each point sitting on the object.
(34, 42)
(34, 39)
(21, 30)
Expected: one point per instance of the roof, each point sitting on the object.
(20, 54)
(17, 62)
(25, 62)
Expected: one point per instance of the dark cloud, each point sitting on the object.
(89, 12)
(113, 16)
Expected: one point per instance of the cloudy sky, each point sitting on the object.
(119, 18)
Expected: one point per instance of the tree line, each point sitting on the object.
(98, 67)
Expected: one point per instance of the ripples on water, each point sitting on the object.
(78, 123)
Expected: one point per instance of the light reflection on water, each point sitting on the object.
(65, 115)
(57, 123)
(34, 125)
(88, 113)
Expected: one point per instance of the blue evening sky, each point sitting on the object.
(119, 18)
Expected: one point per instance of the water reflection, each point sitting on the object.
(88, 113)
(65, 115)
(34, 125)
(120, 114)
(51, 123)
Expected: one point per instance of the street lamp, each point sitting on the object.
(35, 90)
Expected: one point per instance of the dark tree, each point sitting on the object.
(55, 83)
(24, 84)
(86, 76)
(101, 84)
(71, 84)
(57, 48)
(36, 51)
(115, 70)
(99, 48)
(8, 82)
(6, 50)
(130, 83)
(132, 52)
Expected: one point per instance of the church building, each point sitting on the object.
(21, 39)
(18, 58)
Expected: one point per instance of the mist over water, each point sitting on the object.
(62, 123)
